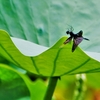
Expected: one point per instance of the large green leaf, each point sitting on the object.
(44, 22)
(56, 61)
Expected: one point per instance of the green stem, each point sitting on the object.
(51, 88)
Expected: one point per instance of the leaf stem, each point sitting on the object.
(51, 88)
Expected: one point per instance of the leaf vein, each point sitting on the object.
(76, 67)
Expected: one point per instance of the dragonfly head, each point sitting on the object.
(67, 32)
(70, 30)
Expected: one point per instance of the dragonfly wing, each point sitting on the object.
(76, 42)
(79, 34)
(68, 40)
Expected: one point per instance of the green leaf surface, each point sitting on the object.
(44, 22)
(17, 86)
(56, 61)
(12, 86)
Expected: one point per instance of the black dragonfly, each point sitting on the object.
(77, 38)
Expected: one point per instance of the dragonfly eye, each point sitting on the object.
(67, 32)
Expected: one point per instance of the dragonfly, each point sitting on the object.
(77, 38)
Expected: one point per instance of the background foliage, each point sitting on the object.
(44, 22)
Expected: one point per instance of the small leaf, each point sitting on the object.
(12, 85)
(17, 86)
(55, 61)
